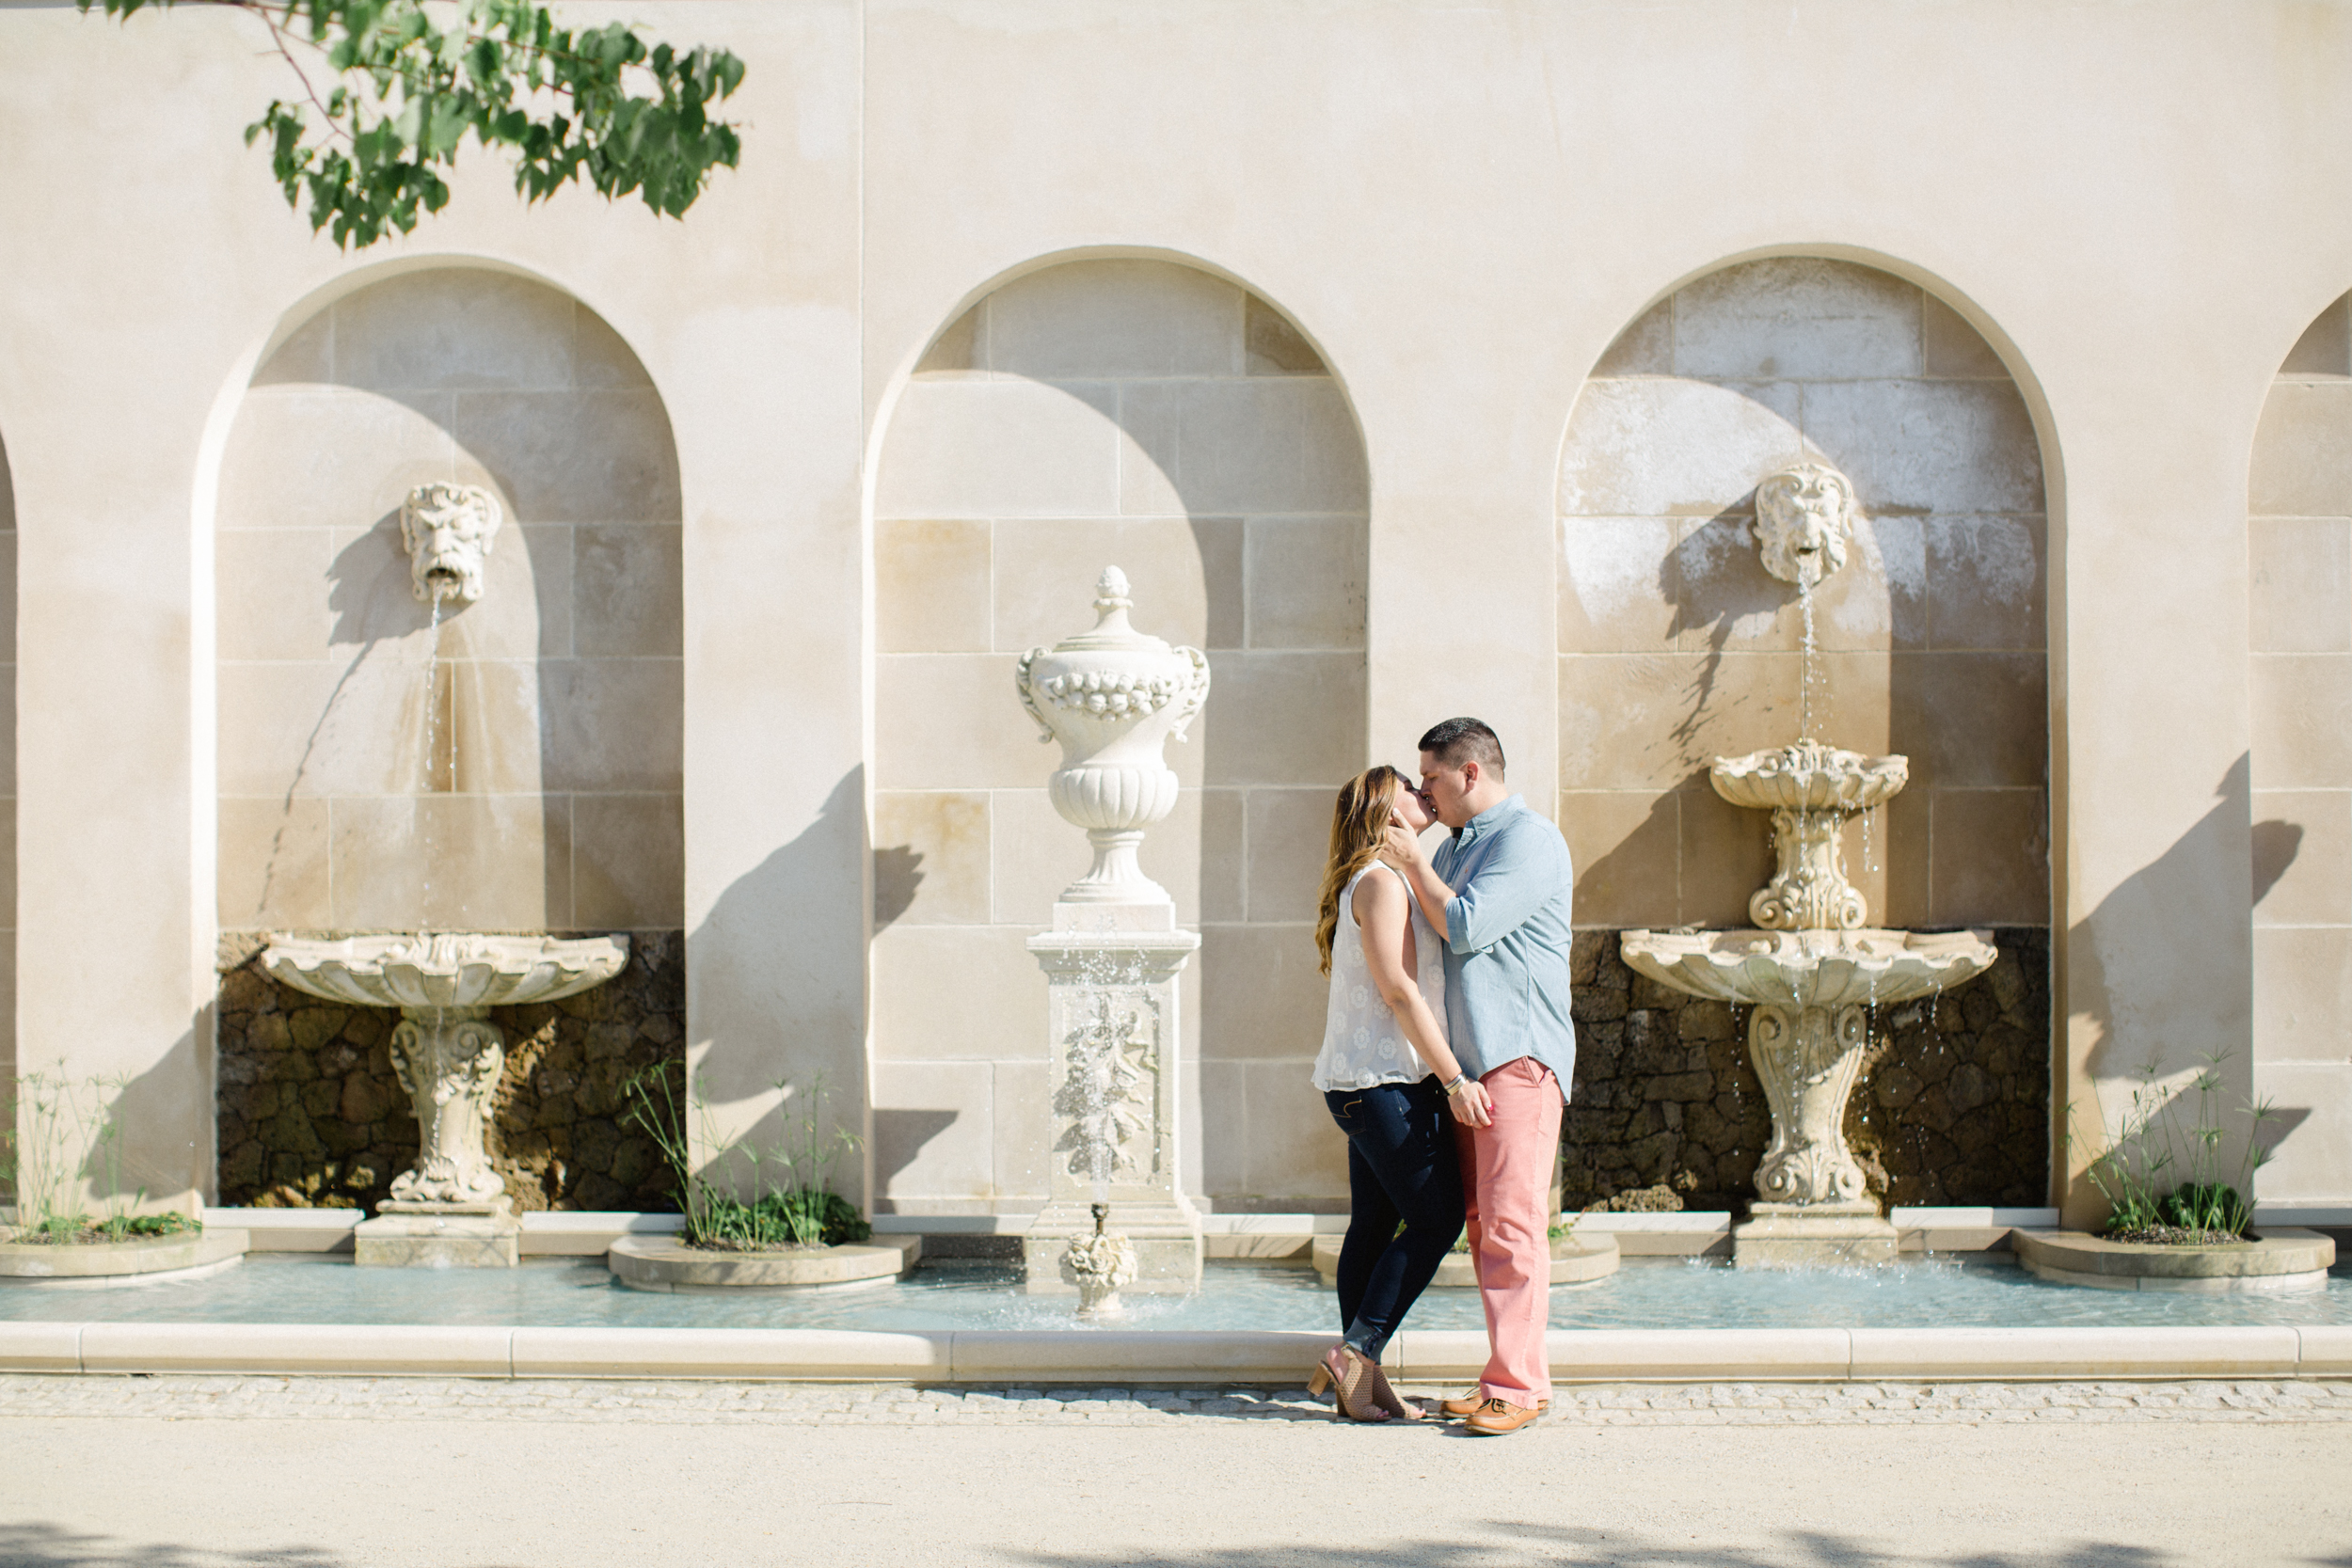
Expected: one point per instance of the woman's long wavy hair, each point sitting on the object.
(1360, 820)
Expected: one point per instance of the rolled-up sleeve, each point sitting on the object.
(1517, 877)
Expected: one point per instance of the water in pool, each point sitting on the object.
(952, 1295)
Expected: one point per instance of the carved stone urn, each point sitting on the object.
(450, 1207)
(1113, 697)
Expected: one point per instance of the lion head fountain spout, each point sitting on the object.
(447, 530)
(1804, 518)
(1811, 969)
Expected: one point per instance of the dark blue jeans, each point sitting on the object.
(1401, 1165)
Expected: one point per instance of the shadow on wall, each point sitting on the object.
(130, 1167)
(775, 944)
(898, 877)
(2276, 845)
(904, 1133)
(1724, 600)
(2128, 947)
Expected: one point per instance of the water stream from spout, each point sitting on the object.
(429, 783)
(1804, 676)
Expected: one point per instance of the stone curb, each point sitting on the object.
(1105, 1356)
(147, 1259)
(662, 1263)
(2280, 1259)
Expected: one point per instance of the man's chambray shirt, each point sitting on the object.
(1506, 953)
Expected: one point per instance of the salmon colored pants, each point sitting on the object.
(1506, 1184)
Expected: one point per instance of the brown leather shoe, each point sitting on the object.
(1469, 1406)
(1497, 1416)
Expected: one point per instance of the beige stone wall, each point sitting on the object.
(530, 781)
(2299, 678)
(8, 775)
(1675, 646)
(1148, 415)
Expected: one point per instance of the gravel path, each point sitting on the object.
(703, 1403)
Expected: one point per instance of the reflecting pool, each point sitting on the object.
(1645, 1293)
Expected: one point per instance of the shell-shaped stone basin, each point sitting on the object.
(1809, 776)
(444, 970)
(1809, 969)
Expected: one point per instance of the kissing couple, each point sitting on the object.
(1447, 1053)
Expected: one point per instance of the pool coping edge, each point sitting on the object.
(1128, 1356)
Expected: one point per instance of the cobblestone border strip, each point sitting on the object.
(1597, 1356)
(703, 1402)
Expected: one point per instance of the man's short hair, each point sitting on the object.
(1460, 740)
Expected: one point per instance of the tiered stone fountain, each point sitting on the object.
(1812, 968)
(450, 1208)
(1116, 1212)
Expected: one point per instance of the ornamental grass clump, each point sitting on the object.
(792, 1204)
(2162, 1173)
(57, 1130)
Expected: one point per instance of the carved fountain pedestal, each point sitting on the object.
(450, 1208)
(1811, 973)
(1112, 697)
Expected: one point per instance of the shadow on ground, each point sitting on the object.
(1570, 1547)
(52, 1547)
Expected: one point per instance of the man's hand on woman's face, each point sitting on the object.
(1402, 846)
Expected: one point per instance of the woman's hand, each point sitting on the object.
(1471, 1105)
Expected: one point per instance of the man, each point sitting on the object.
(1499, 891)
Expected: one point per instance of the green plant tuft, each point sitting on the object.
(2161, 1171)
(57, 1135)
(792, 1202)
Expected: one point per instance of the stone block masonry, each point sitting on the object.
(1952, 1107)
(311, 1116)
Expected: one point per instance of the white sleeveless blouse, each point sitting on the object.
(1362, 1042)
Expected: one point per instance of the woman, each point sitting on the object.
(1390, 1081)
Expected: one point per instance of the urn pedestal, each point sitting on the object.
(1113, 1043)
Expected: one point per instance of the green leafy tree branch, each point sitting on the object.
(406, 83)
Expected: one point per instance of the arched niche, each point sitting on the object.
(1675, 647)
(1146, 413)
(2299, 684)
(386, 765)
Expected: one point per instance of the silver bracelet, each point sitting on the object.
(1459, 1079)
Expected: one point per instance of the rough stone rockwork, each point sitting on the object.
(312, 1115)
(1953, 1105)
